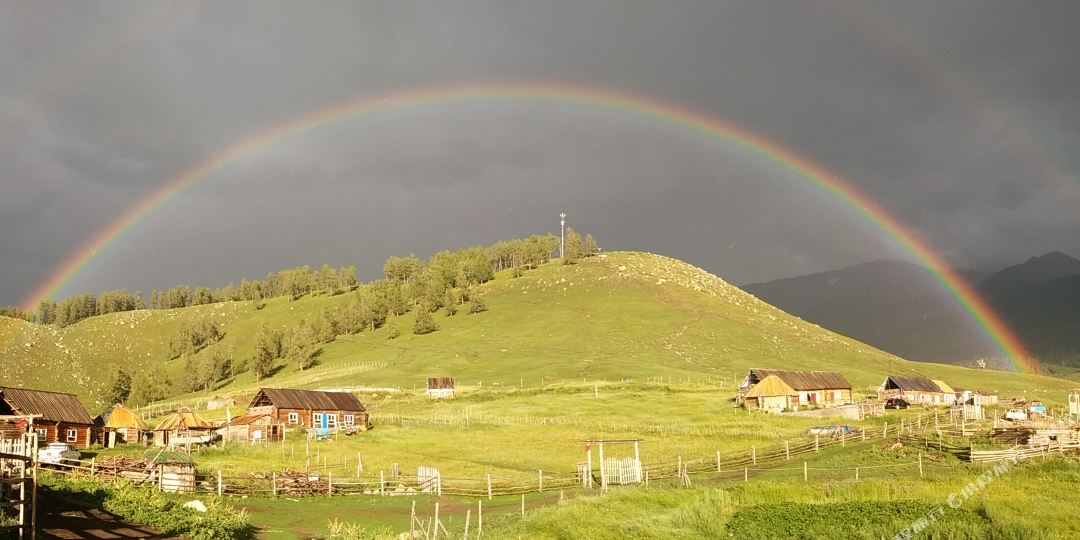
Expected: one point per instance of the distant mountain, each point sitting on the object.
(1020, 278)
(900, 307)
(896, 306)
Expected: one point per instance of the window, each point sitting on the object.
(331, 420)
(348, 420)
(316, 419)
(838, 395)
(72, 435)
(294, 418)
(41, 434)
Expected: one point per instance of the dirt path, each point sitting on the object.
(63, 518)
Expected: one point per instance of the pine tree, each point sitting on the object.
(302, 346)
(118, 387)
(425, 323)
(573, 246)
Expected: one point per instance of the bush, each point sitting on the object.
(477, 305)
(392, 332)
(160, 511)
(339, 530)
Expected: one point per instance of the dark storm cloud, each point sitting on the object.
(957, 131)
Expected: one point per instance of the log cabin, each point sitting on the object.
(789, 390)
(310, 408)
(440, 387)
(63, 418)
(917, 390)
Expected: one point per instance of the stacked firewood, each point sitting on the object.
(121, 463)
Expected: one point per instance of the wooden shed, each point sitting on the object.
(183, 427)
(1074, 403)
(311, 408)
(172, 472)
(120, 425)
(917, 390)
(811, 388)
(62, 417)
(440, 387)
(252, 429)
(772, 394)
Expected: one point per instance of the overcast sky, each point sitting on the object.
(959, 118)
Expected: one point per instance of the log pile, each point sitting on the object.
(289, 482)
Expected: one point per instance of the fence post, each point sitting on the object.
(787, 451)
(920, 466)
(412, 521)
(489, 485)
(541, 475)
(468, 518)
(382, 483)
(805, 473)
(273, 483)
(753, 453)
(885, 431)
(863, 429)
(329, 483)
(359, 464)
(717, 461)
(93, 466)
(746, 474)
(219, 490)
(522, 506)
(479, 518)
(817, 443)
(856, 474)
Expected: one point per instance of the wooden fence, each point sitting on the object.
(1018, 453)
(431, 480)
(18, 483)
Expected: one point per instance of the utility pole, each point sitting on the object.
(562, 235)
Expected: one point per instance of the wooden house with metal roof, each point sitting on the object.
(311, 408)
(62, 417)
(440, 387)
(252, 429)
(793, 389)
(917, 390)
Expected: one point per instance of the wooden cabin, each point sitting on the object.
(1074, 403)
(440, 387)
(62, 417)
(311, 408)
(119, 425)
(793, 389)
(183, 427)
(917, 390)
(252, 429)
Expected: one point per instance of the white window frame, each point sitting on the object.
(331, 420)
(294, 418)
(316, 419)
(348, 420)
(72, 435)
(42, 434)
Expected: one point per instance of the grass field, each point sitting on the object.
(617, 316)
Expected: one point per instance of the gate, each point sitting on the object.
(18, 480)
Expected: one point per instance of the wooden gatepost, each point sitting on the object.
(18, 473)
(619, 471)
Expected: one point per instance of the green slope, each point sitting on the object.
(619, 315)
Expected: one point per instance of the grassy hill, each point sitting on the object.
(616, 316)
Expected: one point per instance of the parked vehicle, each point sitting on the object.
(896, 403)
(57, 453)
(834, 430)
(1037, 407)
(1016, 415)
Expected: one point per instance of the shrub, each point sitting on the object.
(339, 530)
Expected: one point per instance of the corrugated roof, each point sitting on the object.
(251, 419)
(289, 398)
(771, 386)
(944, 387)
(52, 406)
(155, 456)
(119, 416)
(183, 418)
(805, 380)
(914, 384)
(440, 383)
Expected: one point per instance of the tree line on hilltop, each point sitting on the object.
(428, 281)
(444, 282)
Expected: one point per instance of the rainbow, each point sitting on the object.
(696, 121)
